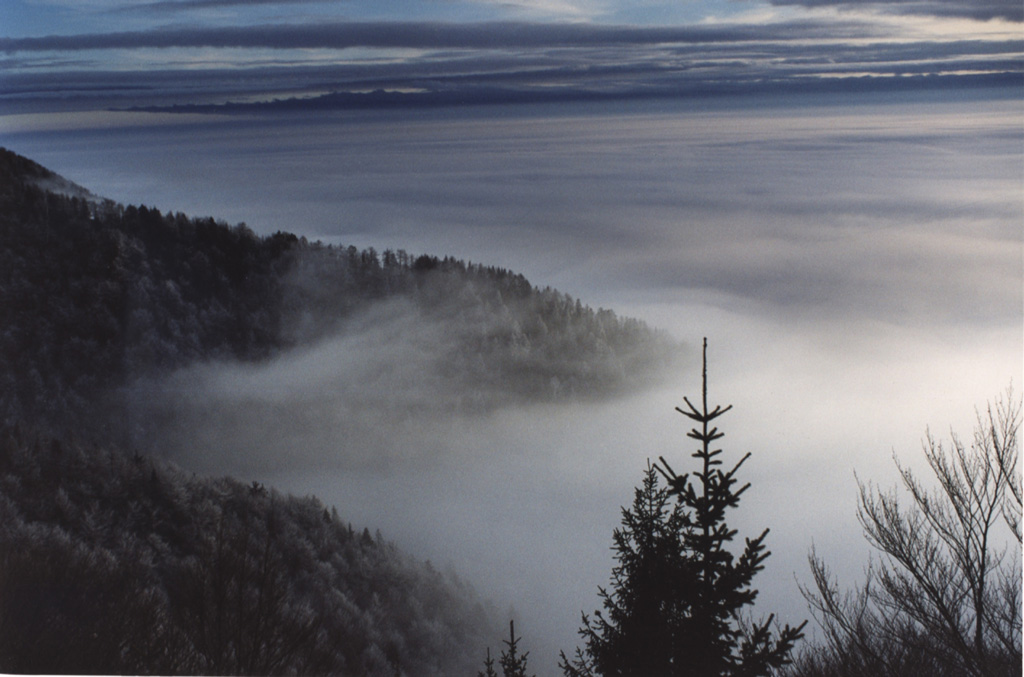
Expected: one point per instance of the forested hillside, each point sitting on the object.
(95, 295)
(119, 564)
(114, 561)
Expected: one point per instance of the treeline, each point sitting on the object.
(94, 295)
(503, 339)
(114, 564)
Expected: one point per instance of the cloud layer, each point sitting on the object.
(980, 10)
(393, 34)
(402, 64)
(481, 51)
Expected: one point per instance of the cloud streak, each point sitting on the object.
(979, 10)
(178, 5)
(386, 65)
(437, 35)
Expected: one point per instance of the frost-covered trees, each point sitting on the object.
(116, 564)
(97, 295)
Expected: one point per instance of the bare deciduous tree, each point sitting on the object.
(945, 594)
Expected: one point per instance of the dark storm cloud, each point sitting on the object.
(431, 35)
(982, 10)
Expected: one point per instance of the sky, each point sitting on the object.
(831, 192)
(72, 55)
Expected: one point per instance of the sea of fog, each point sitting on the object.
(857, 269)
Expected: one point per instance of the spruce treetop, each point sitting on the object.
(716, 641)
(676, 602)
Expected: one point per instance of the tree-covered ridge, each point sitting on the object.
(503, 339)
(115, 564)
(16, 170)
(94, 295)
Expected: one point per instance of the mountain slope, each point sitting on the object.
(116, 564)
(117, 326)
(95, 295)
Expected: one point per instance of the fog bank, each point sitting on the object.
(857, 270)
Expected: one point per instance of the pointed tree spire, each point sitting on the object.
(488, 670)
(513, 664)
(717, 643)
(677, 583)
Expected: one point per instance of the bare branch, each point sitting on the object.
(945, 597)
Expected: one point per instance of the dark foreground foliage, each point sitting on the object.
(115, 564)
(678, 594)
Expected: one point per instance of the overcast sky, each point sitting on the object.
(61, 54)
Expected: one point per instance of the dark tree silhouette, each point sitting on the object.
(488, 670)
(691, 603)
(512, 662)
(635, 634)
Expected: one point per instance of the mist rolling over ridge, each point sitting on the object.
(830, 195)
(390, 334)
(370, 392)
(225, 352)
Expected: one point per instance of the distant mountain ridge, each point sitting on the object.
(429, 94)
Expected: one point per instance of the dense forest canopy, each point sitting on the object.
(97, 295)
(114, 561)
(118, 564)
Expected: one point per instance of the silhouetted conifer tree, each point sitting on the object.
(634, 634)
(488, 666)
(513, 664)
(683, 615)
